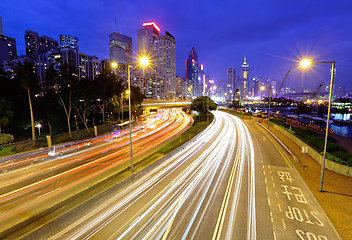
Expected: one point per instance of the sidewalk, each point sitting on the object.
(336, 198)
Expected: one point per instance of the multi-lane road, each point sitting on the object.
(230, 182)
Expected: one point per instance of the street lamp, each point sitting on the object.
(143, 61)
(38, 126)
(306, 63)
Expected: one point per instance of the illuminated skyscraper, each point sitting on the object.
(148, 80)
(245, 91)
(166, 63)
(231, 89)
(158, 80)
(192, 73)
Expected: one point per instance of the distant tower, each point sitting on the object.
(231, 78)
(192, 73)
(245, 79)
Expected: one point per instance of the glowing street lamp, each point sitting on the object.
(143, 61)
(38, 126)
(306, 63)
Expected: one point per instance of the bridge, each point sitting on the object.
(148, 105)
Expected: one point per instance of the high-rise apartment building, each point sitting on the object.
(8, 49)
(94, 67)
(245, 80)
(231, 78)
(192, 73)
(36, 44)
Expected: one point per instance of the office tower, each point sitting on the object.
(69, 42)
(192, 73)
(203, 83)
(245, 91)
(166, 64)
(148, 80)
(36, 44)
(231, 78)
(147, 38)
(120, 48)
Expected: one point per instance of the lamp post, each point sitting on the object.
(144, 62)
(38, 126)
(306, 63)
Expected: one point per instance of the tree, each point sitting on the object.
(65, 90)
(27, 78)
(203, 105)
(6, 113)
(105, 86)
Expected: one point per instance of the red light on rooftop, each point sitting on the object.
(151, 24)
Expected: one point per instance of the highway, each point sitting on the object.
(232, 181)
(35, 185)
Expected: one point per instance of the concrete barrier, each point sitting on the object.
(333, 166)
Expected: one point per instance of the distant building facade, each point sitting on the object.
(166, 64)
(246, 85)
(69, 41)
(36, 44)
(120, 48)
(192, 73)
(231, 78)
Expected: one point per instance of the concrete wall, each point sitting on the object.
(333, 166)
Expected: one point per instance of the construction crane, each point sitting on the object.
(281, 90)
(316, 91)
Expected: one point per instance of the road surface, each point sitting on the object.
(230, 182)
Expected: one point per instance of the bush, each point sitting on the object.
(6, 138)
(4, 151)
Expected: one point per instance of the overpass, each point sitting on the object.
(148, 105)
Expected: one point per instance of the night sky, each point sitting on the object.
(272, 34)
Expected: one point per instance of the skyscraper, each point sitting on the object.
(148, 80)
(245, 79)
(231, 78)
(166, 63)
(120, 48)
(192, 73)
(158, 80)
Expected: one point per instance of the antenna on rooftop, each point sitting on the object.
(116, 26)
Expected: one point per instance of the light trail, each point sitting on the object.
(181, 192)
(93, 168)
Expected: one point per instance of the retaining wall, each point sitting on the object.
(333, 166)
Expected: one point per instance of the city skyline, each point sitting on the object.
(271, 37)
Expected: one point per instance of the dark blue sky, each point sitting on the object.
(272, 34)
